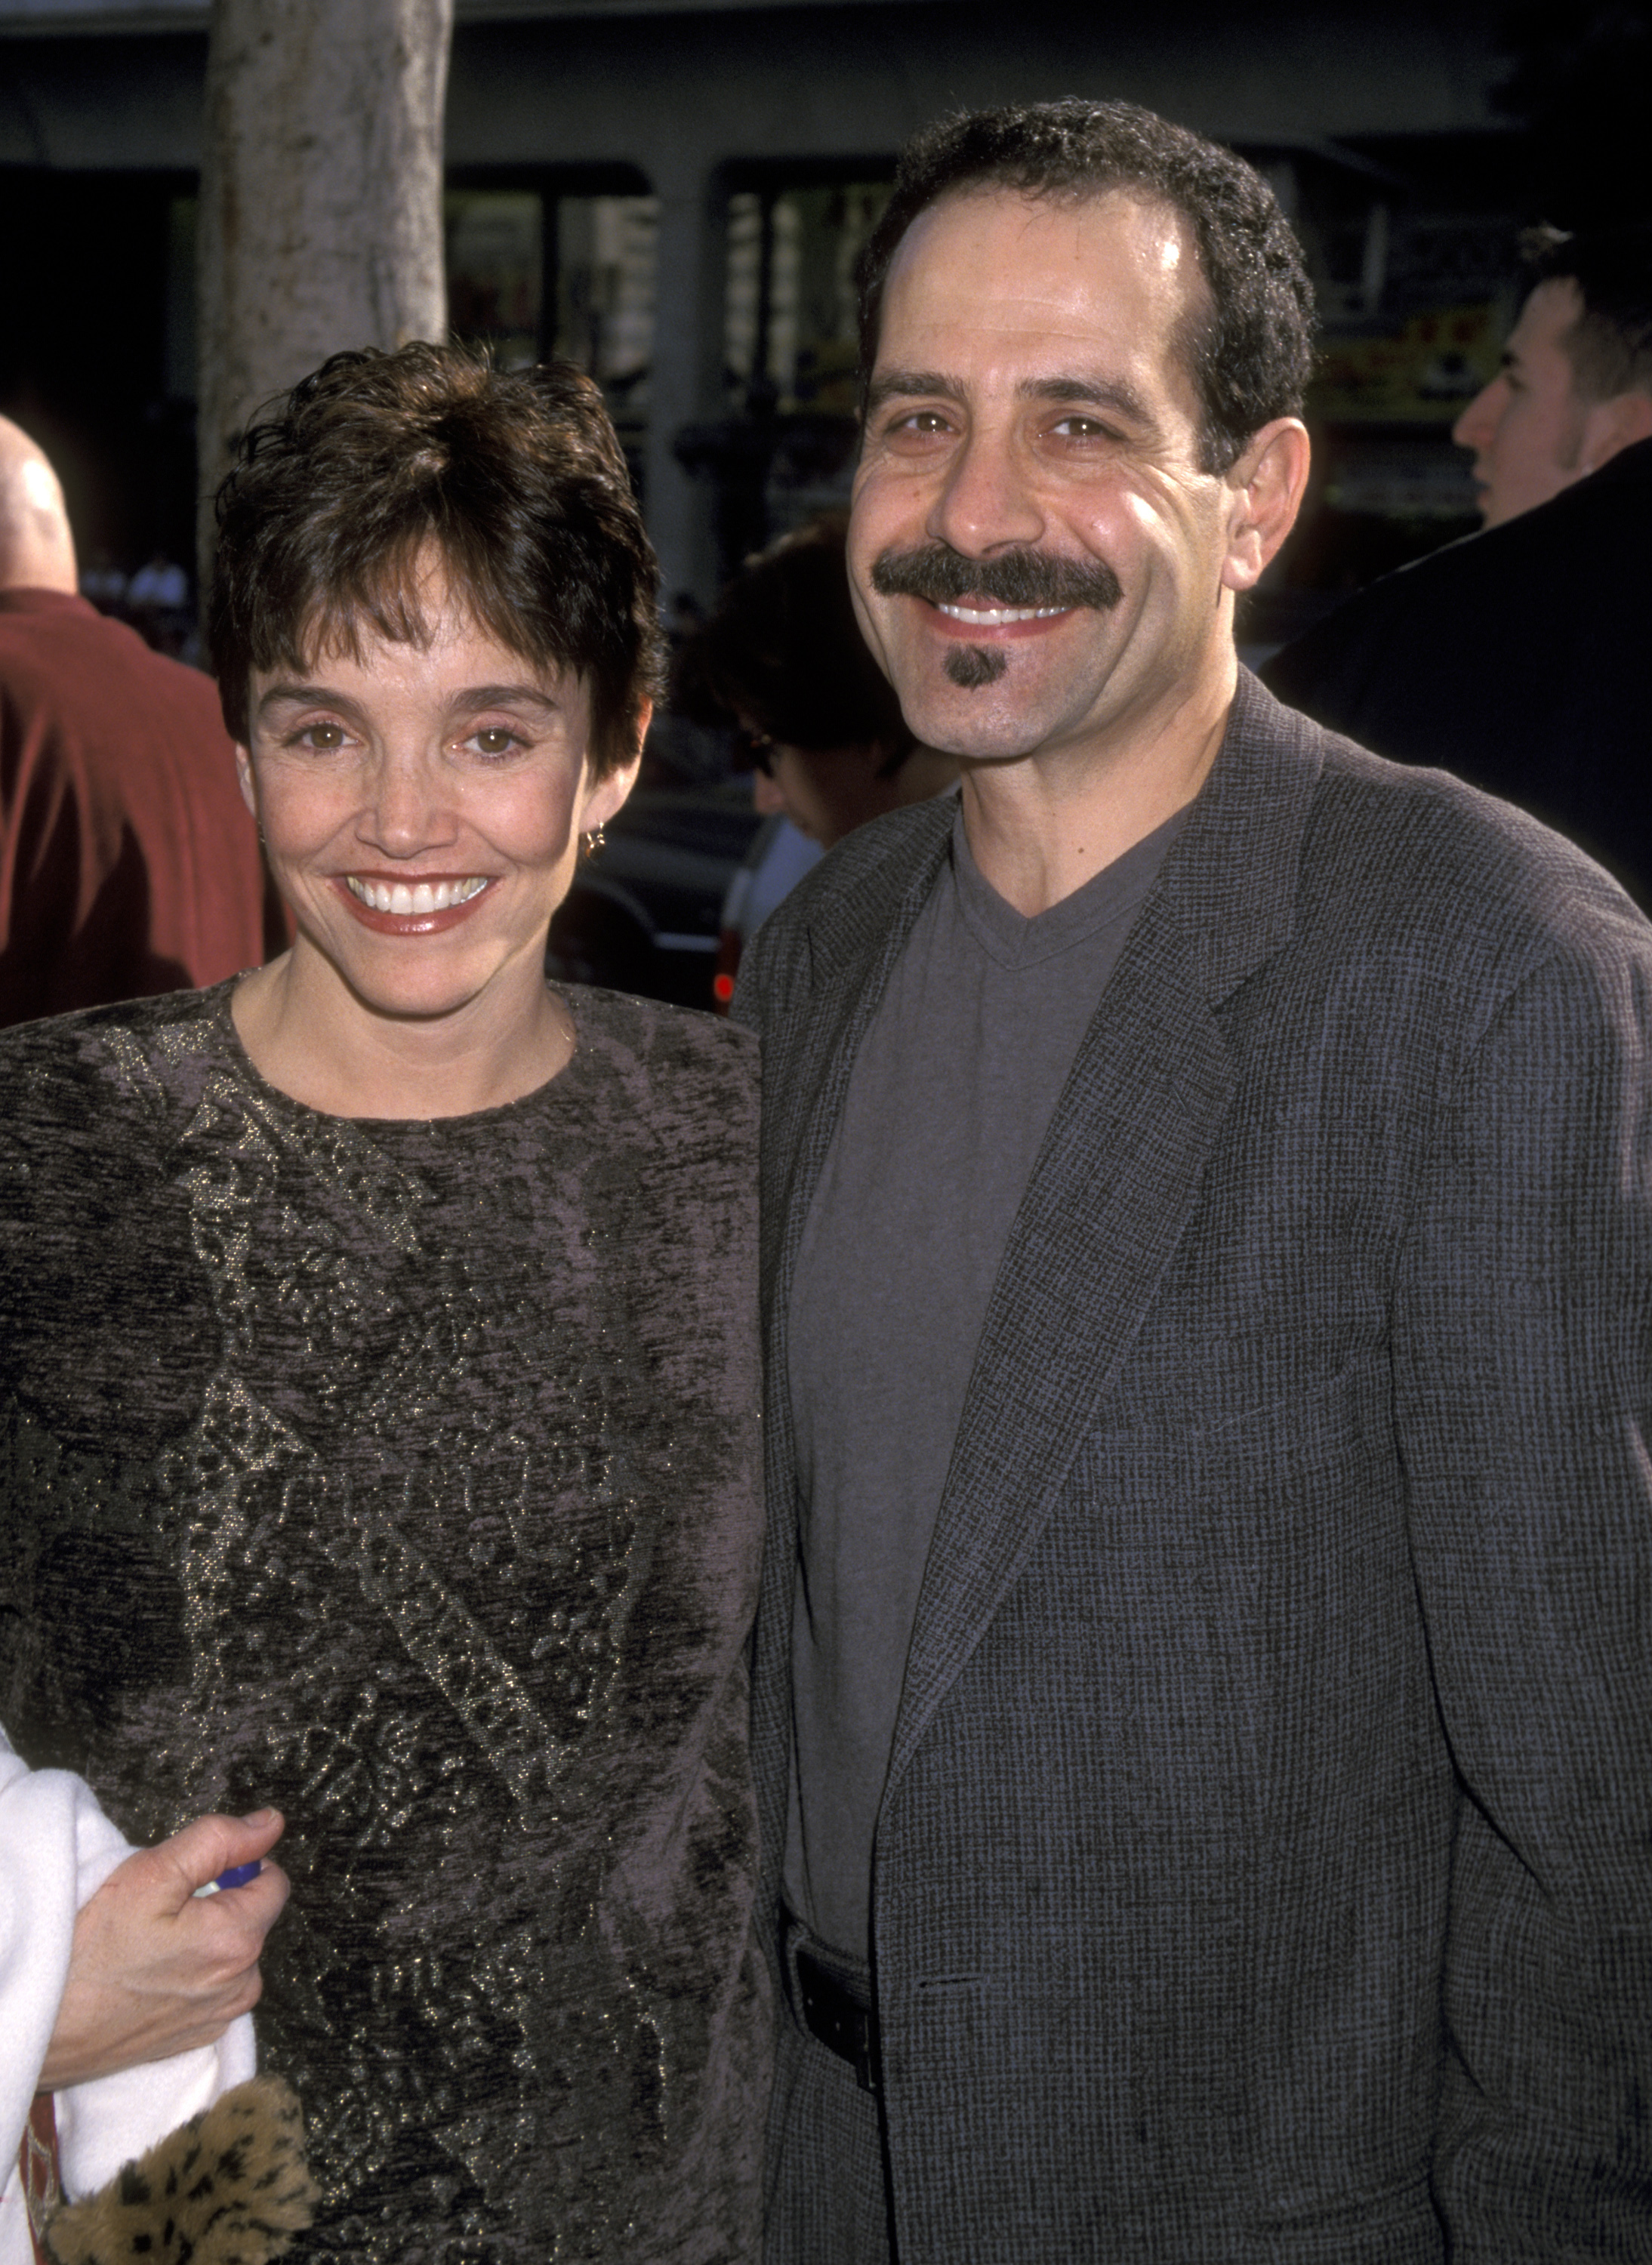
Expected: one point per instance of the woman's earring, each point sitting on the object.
(594, 841)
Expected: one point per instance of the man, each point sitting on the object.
(1201, 1712)
(128, 863)
(1519, 658)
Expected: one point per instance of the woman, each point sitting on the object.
(380, 1398)
(782, 657)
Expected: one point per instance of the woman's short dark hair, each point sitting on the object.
(1249, 349)
(783, 652)
(514, 477)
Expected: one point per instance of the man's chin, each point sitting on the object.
(967, 727)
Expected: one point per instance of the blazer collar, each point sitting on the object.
(1228, 881)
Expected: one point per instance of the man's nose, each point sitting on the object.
(986, 501)
(1477, 425)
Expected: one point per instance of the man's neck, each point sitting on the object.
(1041, 828)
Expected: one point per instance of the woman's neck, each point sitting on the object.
(308, 1035)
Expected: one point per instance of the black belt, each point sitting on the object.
(832, 2013)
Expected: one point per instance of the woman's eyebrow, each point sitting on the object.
(302, 695)
(507, 695)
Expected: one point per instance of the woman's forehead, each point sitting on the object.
(417, 633)
(445, 656)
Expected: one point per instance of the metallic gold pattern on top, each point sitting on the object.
(443, 1480)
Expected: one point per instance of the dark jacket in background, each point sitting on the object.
(128, 862)
(1265, 1870)
(1520, 658)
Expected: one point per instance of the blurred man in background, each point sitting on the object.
(128, 862)
(1518, 658)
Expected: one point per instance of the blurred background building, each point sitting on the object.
(674, 195)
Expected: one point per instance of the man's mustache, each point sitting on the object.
(934, 570)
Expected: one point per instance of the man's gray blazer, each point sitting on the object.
(1265, 1866)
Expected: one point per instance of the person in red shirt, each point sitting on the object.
(128, 862)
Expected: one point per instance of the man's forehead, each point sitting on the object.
(1095, 283)
(1546, 316)
(982, 247)
(1143, 227)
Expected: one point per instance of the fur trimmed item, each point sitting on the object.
(228, 2188)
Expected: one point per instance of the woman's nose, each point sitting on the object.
(407, 808)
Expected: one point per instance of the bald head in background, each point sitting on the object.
(37, 549)
(128, 865)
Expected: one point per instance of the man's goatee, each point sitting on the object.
(971, 666)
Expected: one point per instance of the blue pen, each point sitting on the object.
(237, 1876)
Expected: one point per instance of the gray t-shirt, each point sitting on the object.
(949, 1102)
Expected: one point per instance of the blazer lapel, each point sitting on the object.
(1111, 1192)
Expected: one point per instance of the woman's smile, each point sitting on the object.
(395, 905)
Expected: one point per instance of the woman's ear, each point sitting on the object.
(608, 794)
(243, 772)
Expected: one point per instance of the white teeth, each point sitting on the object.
(986, 617)
(420, 897)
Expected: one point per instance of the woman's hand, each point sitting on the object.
(155, 1972)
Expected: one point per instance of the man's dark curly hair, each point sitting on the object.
(342, 488)
(1249, 347)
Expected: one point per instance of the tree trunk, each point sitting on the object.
(321, 222)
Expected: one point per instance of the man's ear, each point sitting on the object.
(1609, 425)
(1265, 489)
(243, 772)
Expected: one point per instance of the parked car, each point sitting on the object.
(644, 912)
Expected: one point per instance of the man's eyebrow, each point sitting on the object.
(907, 384)
(1099, 392)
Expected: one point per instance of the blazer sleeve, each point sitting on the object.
(1524, 1395)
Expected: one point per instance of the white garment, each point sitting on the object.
(56, 1849)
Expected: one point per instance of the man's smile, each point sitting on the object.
(990, 617)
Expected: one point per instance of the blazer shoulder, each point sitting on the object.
(877, 859)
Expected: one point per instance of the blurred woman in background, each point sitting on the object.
(782, 657)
